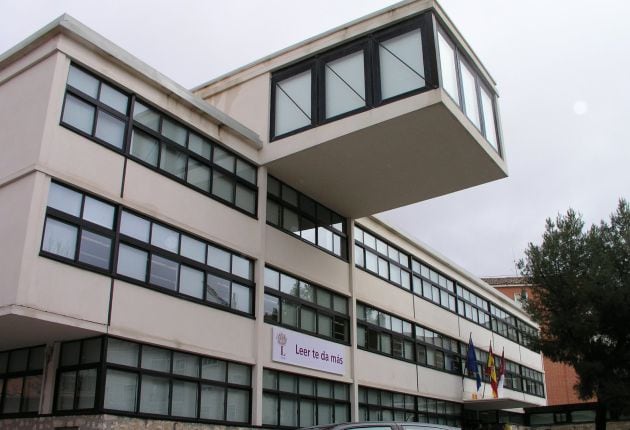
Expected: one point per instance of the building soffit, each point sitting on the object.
(70, 27)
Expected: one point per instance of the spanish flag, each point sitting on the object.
(492, 372)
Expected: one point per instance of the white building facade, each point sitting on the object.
(210, 256)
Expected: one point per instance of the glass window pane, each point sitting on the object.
(70, 353)
(307, 292)
(12, 396)
(401, 64)
(324, 325)
(447, 67)
(217, 290)
(470, 94)
(122, 352)
(144, 147)
(65, 390)
(163, 272)
(154, 358)
(237, 405)
(110, 129)
(198, 175)
(91, 352)
(359, 259)
(212, 405)
(32, 391)
(340, 304)
(324, 413)
(86, 389)
(213, 369)
(134, 226)
(341, 413)
(272, 308)
(95, 250)
(272, 278)
(114, 98)
(238, 374)
(184, 399)
(218, 258)
(120, 390)
(199, 146)
(325, 238)
(345, 84)
(290, 221)
(185, 364)
(146, 116)
(83, 82)
(289, 313)
(370, 261)
(241, 298)
(273, 213)
(60, 238)
(224, 159)
(193, 249)
(307, 413)
(307, 319)
(64, 199)
(270, 409)
(289, 285)
(246, 171)
(98, 212)
(324, 298)
(173, 161)
(293, 103)
(289, 195)
(488, 118)
(245, 199)
(288, 412)
(191, 282)
(154, 395)
(174, 131)
(222, 186)
(241, 267)
(165, 238)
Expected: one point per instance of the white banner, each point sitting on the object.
(303, 350)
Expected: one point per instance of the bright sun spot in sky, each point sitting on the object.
(580, 107)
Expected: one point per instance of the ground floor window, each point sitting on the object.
(300, 401)
(115, 375)
(21, 380)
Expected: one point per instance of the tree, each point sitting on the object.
(582, 302)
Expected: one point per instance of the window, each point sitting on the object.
(83, 230)
(381, 405)
(309, 308)
(296, 213)
(78, 228)
(120, 121)
(381, 258)
(146, 380)
(533, 382)
(300, 401)
(339, 82)
(467, 89)
(21, 380)
(437, 351)
(433, 286)
(380, 332)
(473, 307)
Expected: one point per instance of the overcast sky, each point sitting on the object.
(562, 69)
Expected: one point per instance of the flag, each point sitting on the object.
(501, 374)
(471, 362)
(492, 372)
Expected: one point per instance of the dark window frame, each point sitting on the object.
(314, 306)
(7, 374)
(423, 21)
(301, 213)
(118, 238)
(297, 396)
(131, 125)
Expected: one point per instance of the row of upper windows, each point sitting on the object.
(387, 334)
(120, 121)
(382, 259)
(389, 64)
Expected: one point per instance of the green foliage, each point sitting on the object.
(582, 301)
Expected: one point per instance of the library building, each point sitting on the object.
(211, 258)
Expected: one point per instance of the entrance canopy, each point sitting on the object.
(496, 404)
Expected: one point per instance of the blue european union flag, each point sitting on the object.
(471, 362)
